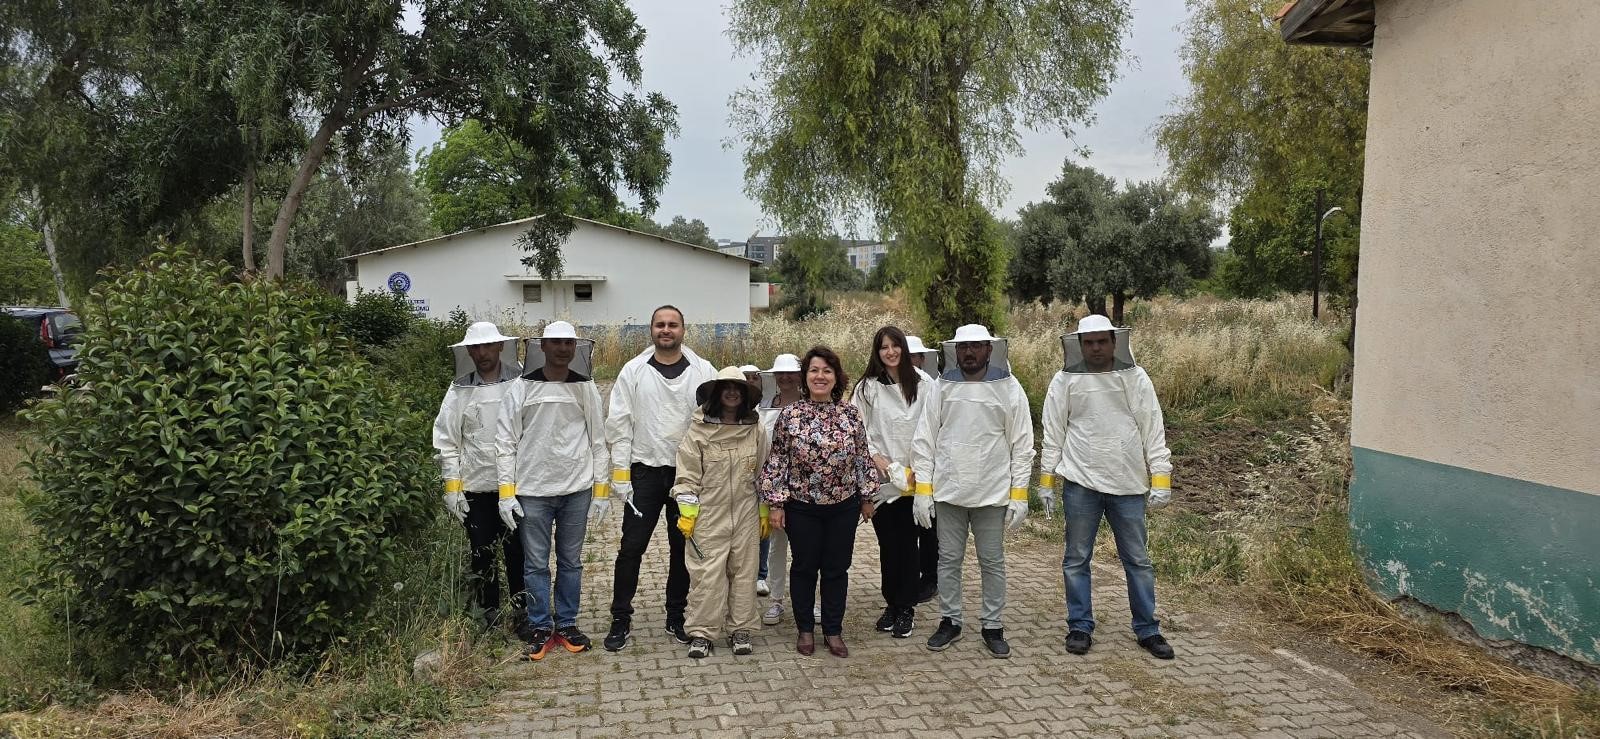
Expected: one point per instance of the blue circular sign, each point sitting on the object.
(400, 282)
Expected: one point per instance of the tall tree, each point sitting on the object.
(1264, 125)
(690, 232)
(1043, 231)
(1092, 241)
(902, 112)
(277, 76)
(808, 267)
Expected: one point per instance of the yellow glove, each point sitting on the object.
(688, 512)
(766, 525)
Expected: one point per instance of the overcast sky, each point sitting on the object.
(688, 57)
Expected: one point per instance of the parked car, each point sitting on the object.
(59, 329)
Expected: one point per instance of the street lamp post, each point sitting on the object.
(1316, 256)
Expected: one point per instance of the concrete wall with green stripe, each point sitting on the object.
(1516, 559)
(1477, 359)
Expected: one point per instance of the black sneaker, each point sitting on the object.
(948, 633)
(928, 591)
(618, 636)
(995, 640)
(675, 628)
(574, 640)
(1078, 642)
(525, 632)
(538, 646)
(700, 647)
(886, 621)
(1157, 646)
(740, 642)
(904, 621)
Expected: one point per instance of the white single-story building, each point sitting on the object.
(611, 276)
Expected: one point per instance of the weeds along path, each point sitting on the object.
(1219, 685)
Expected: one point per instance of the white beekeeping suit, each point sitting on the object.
(463, 431)
(649, 413)
(1103, 427)
(974, 447)
(892, 425)
(551, 434)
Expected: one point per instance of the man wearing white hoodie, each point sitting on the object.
(463, 435)
(651, 404)
(550, 450)
(1106, 443)
(972, 457)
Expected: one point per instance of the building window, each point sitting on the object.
(532, 293)
(853, 261)
(583, 292)
(877, 259)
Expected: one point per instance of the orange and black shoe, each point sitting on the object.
(574, 640)
(538, 644)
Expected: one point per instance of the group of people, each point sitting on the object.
(764, 475)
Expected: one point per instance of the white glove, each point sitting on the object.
(1016, 513)
(922, 510)
(456, 504)
(624, 490)
(886, 494)
(1159, 497)
(598, 508)
(900, 477)
(1047, 499)
(510, 511)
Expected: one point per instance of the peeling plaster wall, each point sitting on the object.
(1477, 391)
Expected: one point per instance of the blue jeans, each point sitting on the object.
(1084, 508)
(569, 516)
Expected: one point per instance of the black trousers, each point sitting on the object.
(928, 554)
(650, 486)
(899, 553)
(822, 539)
(488, 538)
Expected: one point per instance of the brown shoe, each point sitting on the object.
(836, 645)
(806, 644)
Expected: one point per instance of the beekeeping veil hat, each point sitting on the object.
(1086, 350)
(783, 363)
(922, 357)
(468, 369)
(558, 348)
(975, 355)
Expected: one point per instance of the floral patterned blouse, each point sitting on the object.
(819, 455)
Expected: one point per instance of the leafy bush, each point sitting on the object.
(420, 364)
(24, 364)
(228, 481)
(376, 318)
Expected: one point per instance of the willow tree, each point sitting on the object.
(902, 110)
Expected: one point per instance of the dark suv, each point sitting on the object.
(58, 328)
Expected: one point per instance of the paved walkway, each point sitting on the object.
(897, 688)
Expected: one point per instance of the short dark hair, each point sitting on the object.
(840, 379)
(670, 307)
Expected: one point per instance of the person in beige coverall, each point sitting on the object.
(719, 514)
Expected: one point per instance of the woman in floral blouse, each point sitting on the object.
(818, 480)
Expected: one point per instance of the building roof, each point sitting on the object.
(1327, 22)
(521, 221)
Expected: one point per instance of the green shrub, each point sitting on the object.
(24, 364)
(377, 318)
(228, 481)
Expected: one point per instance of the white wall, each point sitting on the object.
(1478, 336)
(469, 271)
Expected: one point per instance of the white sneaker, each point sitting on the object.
(762, 589)
(774, 613)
